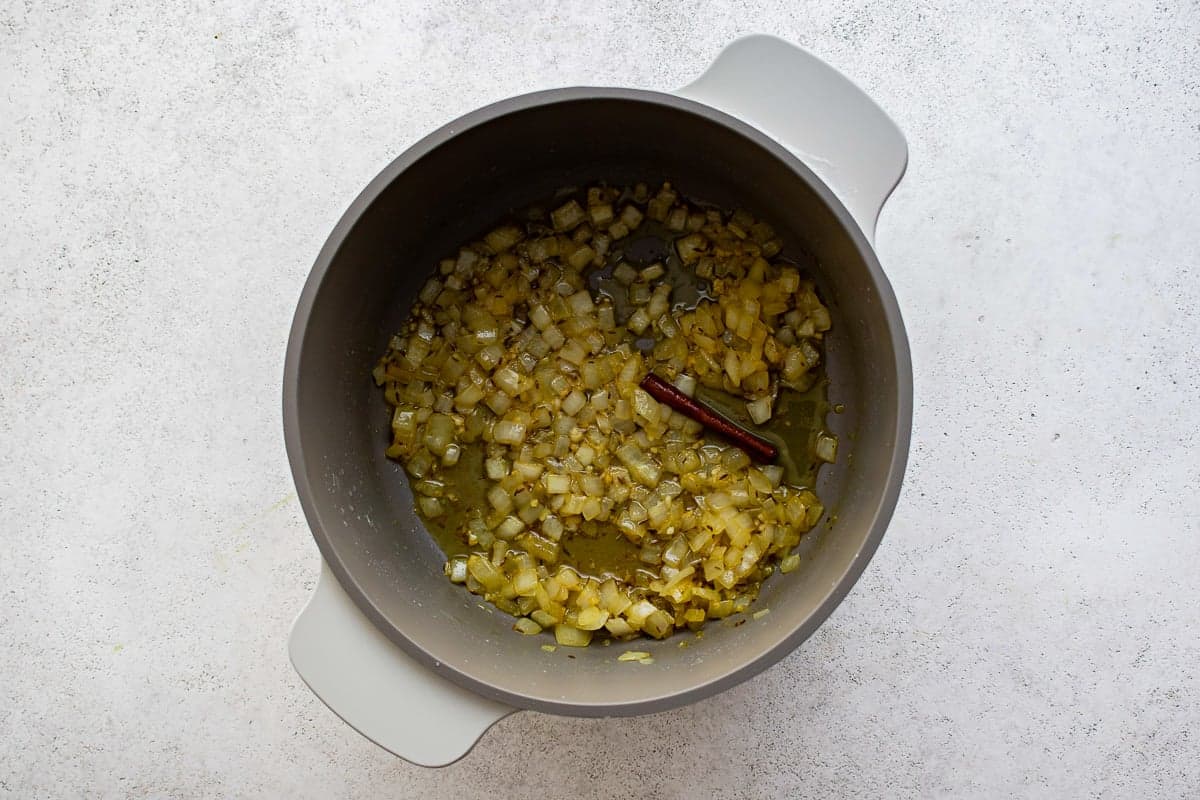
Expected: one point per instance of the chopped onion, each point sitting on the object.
(591, 619)
(574, 402)
(601, 214)
(509, 527)
(625, 274)
(581, 303)
(652, 272)
(500, 499)
(639, 321)
(508, 380)
(619, 627)
(503, 238)
(686, 384)
(456, 570)
(570, 636)
(759, 410)
(557, 484)
(506, 432)
(567, 216)
(510, 372)
(659, 624)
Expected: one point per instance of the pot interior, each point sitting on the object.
(451, 188)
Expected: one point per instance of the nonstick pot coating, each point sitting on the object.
(448, 189)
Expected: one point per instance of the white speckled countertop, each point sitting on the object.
(1029, 626)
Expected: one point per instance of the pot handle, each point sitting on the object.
(814, 111)
(379, 690)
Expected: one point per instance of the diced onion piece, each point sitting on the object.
(592, 508)
(633, 655)
(639, 321)
(495, 468)
(581, 303)
(639, 611)
(691, 247)
(490, 356)
(667, 324)
(506, 432)
(601, 214)
(540, 616)
(500, 499)
(575, 352)
(503, 238)
(456, 570)
(618, 627)
(552, 527)
(571, 637)
(541, 249)
(718, 501)
(659, 624)
(759, 410)
(508, 380)
(482, 570)
(556, 483)
(574, 402)
(567, 216)
(774, 473)
(686, 384)
(525, 582)
(624, 273)
(529, 470)
(652, 273)
(498, 402)
(431, 506)
(582, 256)
(659, 301)
(509, 527)
(439, 432)
(591, 619)
(646, 472)
(429, 293)
(527, 626)
(644, 405)
(542, 549)
(540, 317)
(586, 455)
(827, 448)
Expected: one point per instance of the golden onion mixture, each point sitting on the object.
(572, 499)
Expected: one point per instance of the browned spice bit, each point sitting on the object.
(662, 391)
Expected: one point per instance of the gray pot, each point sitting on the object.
(416, 663)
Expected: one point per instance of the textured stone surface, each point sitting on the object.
(1028, 627)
